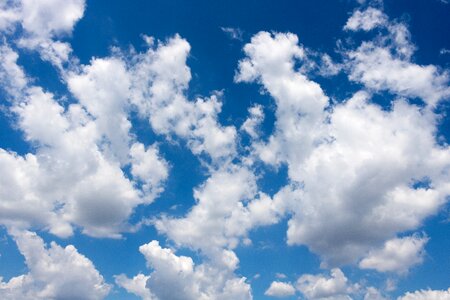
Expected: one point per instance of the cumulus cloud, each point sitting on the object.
(300, 102)
(354, 164)
(227, 208)
(65, 183)
(54, 273)
(427, 295)
(251, 124)
(43, 23)
(177, 277)
(280, 289)
(385, 62)
(348, 163)
(160, 80)
(135, 285)
(334, 287)
(397, 255)
(366, 20)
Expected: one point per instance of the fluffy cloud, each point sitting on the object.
(42, 23)
(228, 207)
(54, 273)
(81, 183)
(280, 289)
(397, 255)
(300, 102)
(354, 164)
(251, 124)
(366, 20)
(385, 63)
(136, 285)
(160, 80)
(334, 287)
(427, 295)
(373, 294)
(177, 277)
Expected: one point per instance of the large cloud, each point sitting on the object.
(80, 183)
(356, 164)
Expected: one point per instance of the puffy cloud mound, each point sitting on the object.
(54, 273)
(427, 295)
(334, 287)
(177, 277)
(280, 289)
(397, 255)
(354, 164)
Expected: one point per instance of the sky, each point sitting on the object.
(225, 150)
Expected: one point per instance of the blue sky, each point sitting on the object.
(224, 150)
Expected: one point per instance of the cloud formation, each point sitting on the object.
(349, 161)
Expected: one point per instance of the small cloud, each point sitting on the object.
(280, 276)
(233, 33)
(444, 51)
(280, 289)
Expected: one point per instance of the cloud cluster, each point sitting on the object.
(63, 182)
(349, 162)
(177, 277)
(353, 164)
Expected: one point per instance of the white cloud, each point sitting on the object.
(397, 255)
(9, 15)
(177, 277)
(427, 295)
(335, 287)
(366, 20)
(103, 88)
(135, 285)
(385, 63)
(280, 289)
(373, 294)
(65, 183)
(251, 124)
(12, 76)
(300, 102)
(54, 273)
(353, 164)
(160, 80)
(378, 69)
(233, 33)
(148, 168)
(42, 23)
(50, 18)
(228, 206)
